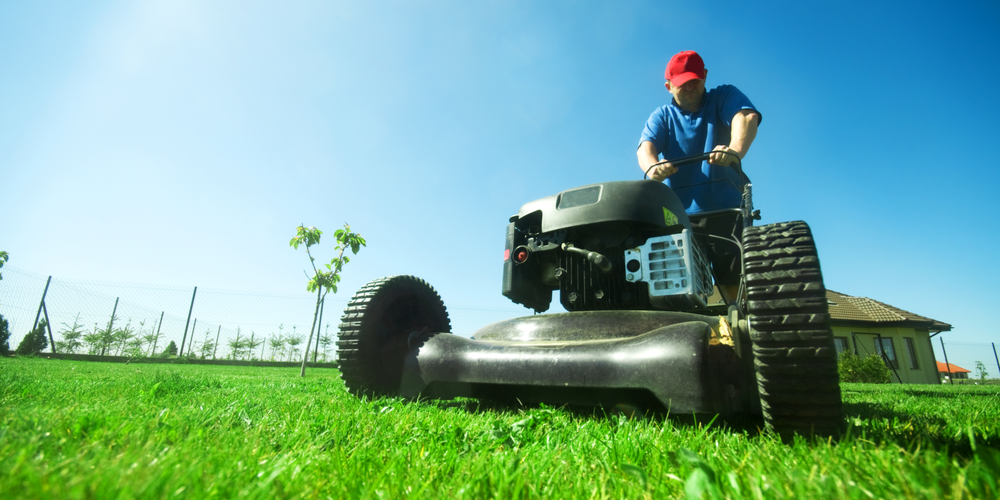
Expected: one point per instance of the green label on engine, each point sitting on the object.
(669, 218)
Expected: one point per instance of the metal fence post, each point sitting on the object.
(947, 364)
(41, 303)
(48, 326)
(157, 339)
(215, 348)
(186, 324)
(194, 327)
(111, 323)
(995, 358)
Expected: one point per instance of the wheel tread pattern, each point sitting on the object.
(358, 351)
(794, 355)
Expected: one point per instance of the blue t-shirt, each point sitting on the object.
(677, 133)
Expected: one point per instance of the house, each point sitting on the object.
(865, 327)
(956, 372)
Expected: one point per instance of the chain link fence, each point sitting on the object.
(228, 324)
(980, 358)
(222, 324)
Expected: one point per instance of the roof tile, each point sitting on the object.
(849, 308)
(943, 367)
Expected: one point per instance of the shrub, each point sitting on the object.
(4, 336)
(170, 350)
(871, 370)
(34, 342)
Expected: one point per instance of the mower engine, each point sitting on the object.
(624, 245)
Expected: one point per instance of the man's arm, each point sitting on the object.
(742, 133)
(648, 157)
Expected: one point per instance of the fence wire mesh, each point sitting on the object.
(224, 324)
(229, 324)
(972, 356)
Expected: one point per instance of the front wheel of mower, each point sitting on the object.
(794, 355)
(375, 331)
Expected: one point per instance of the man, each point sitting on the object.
(721, 121)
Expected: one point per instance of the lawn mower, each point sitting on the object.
(644, 328)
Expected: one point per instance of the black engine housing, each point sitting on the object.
(548, 242)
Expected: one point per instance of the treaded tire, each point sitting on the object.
(794, 355)
(375, 331)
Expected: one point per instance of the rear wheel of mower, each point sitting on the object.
(376, 327)
(794, 355)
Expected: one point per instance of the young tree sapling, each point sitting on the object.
(323, 282)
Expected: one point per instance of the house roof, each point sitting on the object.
(943, 368)
(864, 310)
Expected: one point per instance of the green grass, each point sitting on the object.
(73, 429)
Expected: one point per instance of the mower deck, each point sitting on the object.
(679, 362)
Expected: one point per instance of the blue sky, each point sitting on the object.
(181, 142)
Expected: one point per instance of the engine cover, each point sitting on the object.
(675, 268)
(552, 244)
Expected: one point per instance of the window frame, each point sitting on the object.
(911, 350)
(846, 345)
(890, 356)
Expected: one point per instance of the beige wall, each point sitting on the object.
(926, 371)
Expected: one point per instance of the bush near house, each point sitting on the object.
(870, 370)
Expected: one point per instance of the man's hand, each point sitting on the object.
(724, 156)
(661, 170)
(649, 162)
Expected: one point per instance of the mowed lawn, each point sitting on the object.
(95, 430)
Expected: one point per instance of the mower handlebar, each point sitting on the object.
(700, 157)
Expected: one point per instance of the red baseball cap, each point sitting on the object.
(683, 67)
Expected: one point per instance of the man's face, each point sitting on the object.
(688, 96)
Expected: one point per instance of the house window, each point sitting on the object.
(911, 349)
(885, 349)
(841, 344)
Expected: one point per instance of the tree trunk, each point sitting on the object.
(319, 299)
